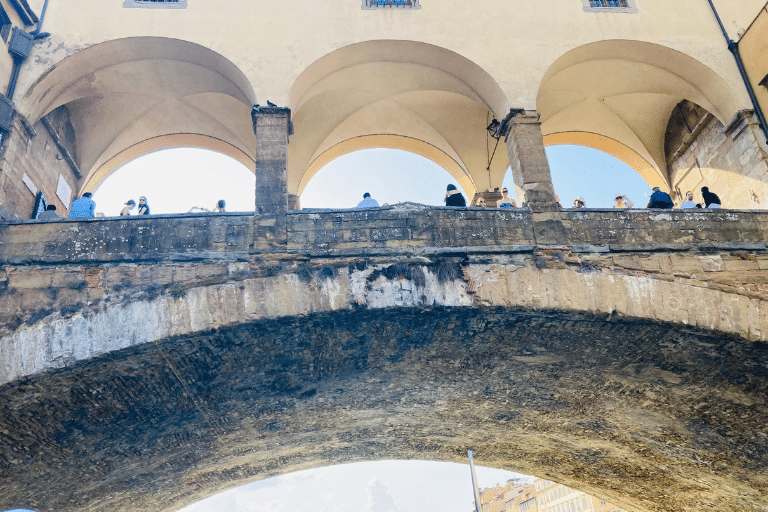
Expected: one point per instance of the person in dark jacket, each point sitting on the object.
(660, 199)
(710, 198)
(454, 198)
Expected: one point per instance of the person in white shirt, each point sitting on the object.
(367, 202)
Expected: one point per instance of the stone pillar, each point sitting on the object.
(530, 168)
(491, 197)
(272, 127)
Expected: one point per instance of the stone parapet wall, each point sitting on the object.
(231, 236)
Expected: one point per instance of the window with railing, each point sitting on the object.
(391, 4)
(610, 5)
(156, 4)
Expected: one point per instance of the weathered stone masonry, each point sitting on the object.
(608, 350)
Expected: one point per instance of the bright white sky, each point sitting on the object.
(384, 486)
(176, 180)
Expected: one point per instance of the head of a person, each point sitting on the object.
(221, 204)
(689, 195)
(131, 203)
(578, 202)
(618, 198)
(505, 191)
(50, 208)
(704, 190)
(451, 187)
(88, 195)
(480, 202)
(656, 189)
(366, 195)
(142, 200)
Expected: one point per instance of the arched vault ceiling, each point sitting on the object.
(384, 79)
(448, 121)
(627, 99)
(122, 124)
(408, 55)
(127, 60)
(123, 92)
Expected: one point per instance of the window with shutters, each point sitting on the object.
(391, 4)
(609, 5)
(156, 4)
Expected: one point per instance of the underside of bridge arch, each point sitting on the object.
(647, 415)
(120, 94)
(622, 94)
(405, 89)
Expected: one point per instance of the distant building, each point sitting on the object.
(540, 496)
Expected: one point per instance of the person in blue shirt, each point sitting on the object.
(506, 201)
(368, 202)
(143, 206)
(83, 208)
(688, 203)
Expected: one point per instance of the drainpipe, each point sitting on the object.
(733, 46)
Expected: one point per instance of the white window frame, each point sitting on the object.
(163, 4)
(630, 8)
(370, 4)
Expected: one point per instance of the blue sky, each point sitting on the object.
(176, 180)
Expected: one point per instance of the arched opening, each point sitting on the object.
(399, 94)
(122, 94)
(582, 170)
(618, 95)
(176, 180)
(395, 485)
(701, 151)
(389, 175)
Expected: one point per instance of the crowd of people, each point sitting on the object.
(84, 207)
(658, 199)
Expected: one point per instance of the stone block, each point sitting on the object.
(30, 278)
(65, 277)
(712, 263)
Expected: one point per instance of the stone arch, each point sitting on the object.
(611, 146)
(124, 92)
(619, 95)
(406, 89)
(602, 403)
(728, 158)
(178, 140)
(418, 147)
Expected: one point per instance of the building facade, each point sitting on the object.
(651, 83)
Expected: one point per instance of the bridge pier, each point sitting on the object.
(530, 168)
(271, 125)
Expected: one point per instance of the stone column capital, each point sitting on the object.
(263, 116)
